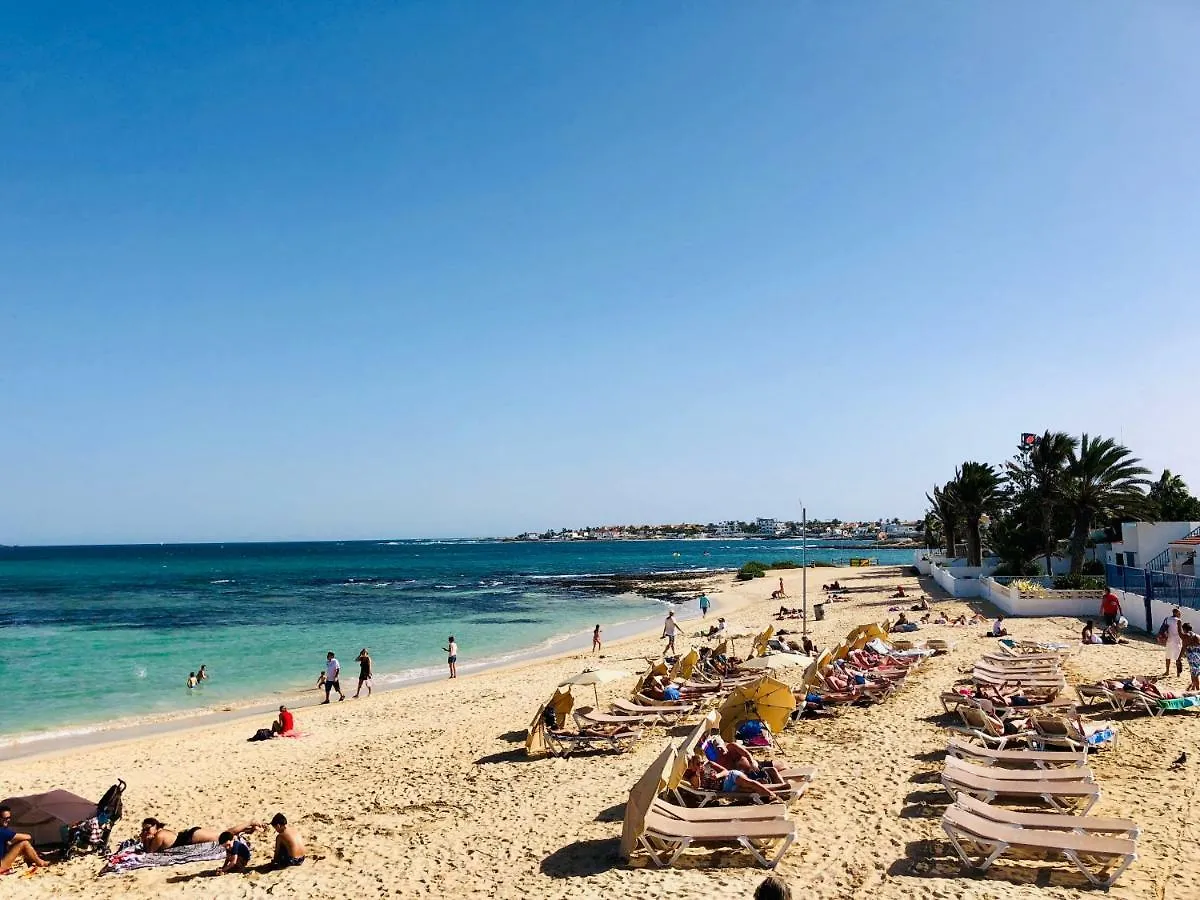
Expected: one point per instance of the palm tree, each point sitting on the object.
(1103, 481)
(945, 507)
(1171, 501)
(978, 489)
(1039, 474)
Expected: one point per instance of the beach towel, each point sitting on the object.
(130, 855)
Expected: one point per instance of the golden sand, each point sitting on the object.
(427, 792)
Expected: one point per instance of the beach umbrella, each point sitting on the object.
(560, 704)
(777, 661)
(641, 797)
(768, 700)
(595, 677)
(760, 642)
(44, 816)
(690, 744)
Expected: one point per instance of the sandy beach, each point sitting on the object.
(427, 792)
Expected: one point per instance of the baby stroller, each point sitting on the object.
(92, 835)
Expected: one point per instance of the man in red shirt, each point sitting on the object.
(1110, 608)
(285, 723)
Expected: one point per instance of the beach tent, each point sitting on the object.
(44, 817)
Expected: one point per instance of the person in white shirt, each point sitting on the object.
(998, 629)
(670, 627)
(1172, 626)
(333, 672)
(452, 656)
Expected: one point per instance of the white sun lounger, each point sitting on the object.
(980, 841)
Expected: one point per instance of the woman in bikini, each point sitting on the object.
(156, 836)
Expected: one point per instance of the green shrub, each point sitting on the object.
(1028, 568)
(752, 569)
(1093, 567)
(784, 564)
(1078, 583)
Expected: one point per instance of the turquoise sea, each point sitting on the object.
(96, 634)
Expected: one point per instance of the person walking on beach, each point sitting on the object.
(333, 675)
(1172, 631)
(452, 656)
(704, 603)
(670, 627)
(365, 671)
(1110, 608)
(596, 639)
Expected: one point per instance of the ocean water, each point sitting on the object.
(92, 635)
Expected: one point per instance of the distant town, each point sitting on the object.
(884, 532)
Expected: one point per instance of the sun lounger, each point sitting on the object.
(1006, 773)
(795, 783)
(686, 704)
(1038, 759)
(1100, 859)
(1091, 694)
(1156, 706)
(666, 710)
(987, 729)
(587, 716)
(1071, 732)
(565, 743)
(666, 837)
(1050, 821)
(1059, 794)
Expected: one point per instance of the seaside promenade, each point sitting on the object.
(427, 791)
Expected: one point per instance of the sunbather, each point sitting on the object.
(704, 774)
(156, 836)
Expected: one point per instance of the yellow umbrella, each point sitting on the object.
(687, 664)
(641, 796)
(766, 699)
(760, 643)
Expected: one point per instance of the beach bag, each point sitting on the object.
(1161, 637)
(263, 734)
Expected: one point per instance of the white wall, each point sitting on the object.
(1148, 539)
(957, 586)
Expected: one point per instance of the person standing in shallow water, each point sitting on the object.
(596, 645)
(452, 656)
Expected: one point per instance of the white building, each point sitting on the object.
(728, 529)
(1142, 543)
(768, 526)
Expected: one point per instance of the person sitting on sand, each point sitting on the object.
(899, 592)
(998, 629)
(16, 845)
(1088, 635)
(717, 630)
(703, 774)
(156, 836)
(1112, 635)
(921, 605)
(284, 723)
(237, 852)
(289, 847)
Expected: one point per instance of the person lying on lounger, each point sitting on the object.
(704, 774)
(156, 836)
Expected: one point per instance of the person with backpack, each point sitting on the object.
(1170, 635)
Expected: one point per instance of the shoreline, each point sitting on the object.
(33, 745)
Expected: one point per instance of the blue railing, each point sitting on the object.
(1165, 587)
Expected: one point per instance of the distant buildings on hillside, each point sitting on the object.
(882, 531)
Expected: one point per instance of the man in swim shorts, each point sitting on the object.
(333, 672)
(289, 847)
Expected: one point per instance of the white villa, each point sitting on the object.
(1143, 543)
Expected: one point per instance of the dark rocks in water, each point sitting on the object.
(670, 587)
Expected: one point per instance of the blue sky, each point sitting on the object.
(315, 270)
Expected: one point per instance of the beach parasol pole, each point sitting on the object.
(804, 564)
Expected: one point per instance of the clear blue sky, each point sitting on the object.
(307, 270)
